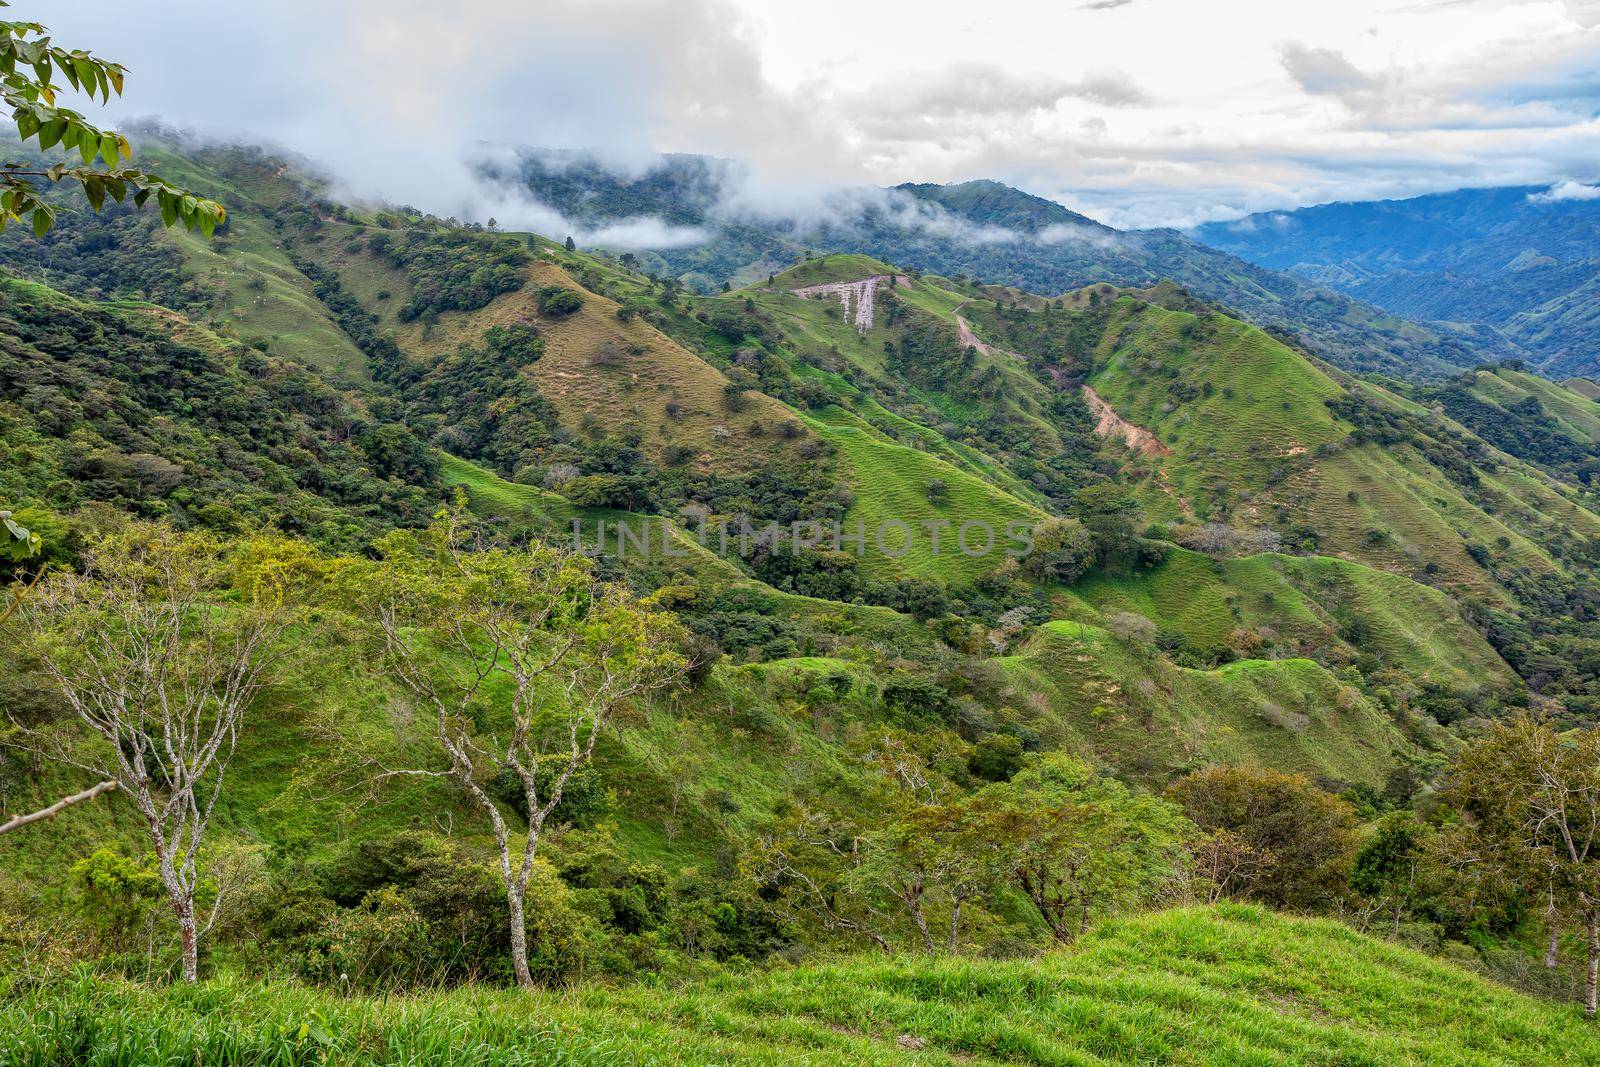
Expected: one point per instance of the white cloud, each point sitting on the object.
(1156, 112)
(1567, 190)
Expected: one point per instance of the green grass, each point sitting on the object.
(1218, 985)
(847, 267)
(1124, 705)
(1310, 600)
(1577, 416)
(253, 286)
(891, 483)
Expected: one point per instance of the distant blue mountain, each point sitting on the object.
(1520, 259)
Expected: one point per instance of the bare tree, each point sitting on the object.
(523, 659)
(159, 674)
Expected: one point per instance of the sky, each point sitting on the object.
(1135, 112)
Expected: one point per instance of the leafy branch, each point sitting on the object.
(33, 71)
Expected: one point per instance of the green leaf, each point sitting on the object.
(109, 149)
(42, 221)
(169, 210)
(50, 133)
(95, 190)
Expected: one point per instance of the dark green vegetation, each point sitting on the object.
(1241, 555)
(1515, 260)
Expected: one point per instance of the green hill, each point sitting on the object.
(1119, 701)
(1223, 985)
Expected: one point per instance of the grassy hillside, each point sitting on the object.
(1122, 703)
(1312, 601)
(1223, 985)
(893, 488)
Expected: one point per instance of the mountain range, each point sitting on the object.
(983, 230)
(1524, 261)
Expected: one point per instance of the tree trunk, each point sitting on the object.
(955, 925)
(1397, 912)
(519, 940)
(179, 893)
(921, 920)
(191, 940)
(1552, 931)
(1591, 985)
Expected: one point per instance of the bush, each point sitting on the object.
(1304, 836)
(1063, 550)
(1131, 626)
(557, 302)
(996, 758)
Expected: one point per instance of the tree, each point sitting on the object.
(570, 245)
(1532, 799)
(1075, 843)
(1062, 551)
(33, 71)
(1301, 838)
(1386, 868)
(522, 658)
(158, 646)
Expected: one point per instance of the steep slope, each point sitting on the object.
(242, 278)
(1261, 436)
(142, 409)
(1221, 985)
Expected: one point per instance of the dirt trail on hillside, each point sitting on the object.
(1109, 424)
(970, 339)
(861, 293)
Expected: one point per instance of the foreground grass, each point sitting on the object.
(1224, 985)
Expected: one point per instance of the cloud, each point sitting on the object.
(1567, 190)
(1213, 117)
(645, 232)
(1326, 72)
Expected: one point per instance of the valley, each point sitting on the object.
(933, 547)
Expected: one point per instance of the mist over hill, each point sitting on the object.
(730, 230)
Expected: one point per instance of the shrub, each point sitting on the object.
(1305, 836)
(557, 301)
(1131, 626)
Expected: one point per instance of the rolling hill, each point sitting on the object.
(1261, 559)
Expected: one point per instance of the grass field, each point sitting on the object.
(1310, 599)
(891, 483)
(1220, 985)
(253, 286)
(1122, 704)
(1578, 416)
